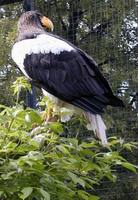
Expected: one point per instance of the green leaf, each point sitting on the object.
(88, 145)
(81, 182)
(129, 166)
(63, 149)
(73, 177)
(111, 177)
(56, 127)
(21, 83)
(45, 194)
(8, 175)
(27, 118)
(26, 192)
(129, 146)
(83, 195)
(76, 179)
(1, 193)
(93, 197)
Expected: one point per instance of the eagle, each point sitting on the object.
(63, 71)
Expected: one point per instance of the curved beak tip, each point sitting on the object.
(46, 22)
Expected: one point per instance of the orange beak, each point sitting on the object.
(47, 23)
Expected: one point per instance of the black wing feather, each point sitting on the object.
(73, 77)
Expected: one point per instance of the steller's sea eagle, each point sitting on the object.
(62, 70)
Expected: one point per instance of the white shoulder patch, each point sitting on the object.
(42, 44)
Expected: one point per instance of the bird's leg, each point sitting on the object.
(50, 116)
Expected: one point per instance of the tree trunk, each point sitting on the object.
(30, 97)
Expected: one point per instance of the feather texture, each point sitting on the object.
(67, 73)
(96, 124)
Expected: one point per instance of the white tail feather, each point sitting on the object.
(97, 125)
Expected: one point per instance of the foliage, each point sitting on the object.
(7, 73)
(37, 162)
(106, 30)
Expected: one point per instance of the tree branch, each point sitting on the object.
(5, 2)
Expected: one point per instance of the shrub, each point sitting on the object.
(37, 161)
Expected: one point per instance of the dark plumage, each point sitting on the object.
(61, 69)
(69, 77)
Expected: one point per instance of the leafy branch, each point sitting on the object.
(37, 161)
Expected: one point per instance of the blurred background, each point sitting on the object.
(106, 30)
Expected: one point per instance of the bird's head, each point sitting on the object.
(36, 19)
